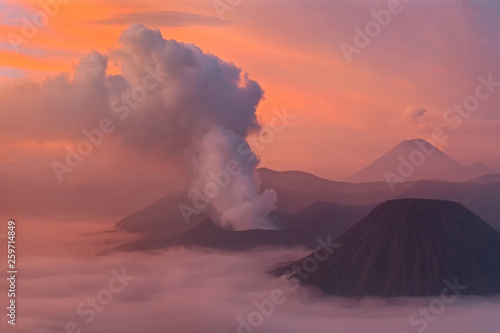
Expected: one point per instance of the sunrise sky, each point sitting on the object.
(348, 113)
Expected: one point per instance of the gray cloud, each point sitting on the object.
(171, 100)
(414, 114)
(162, 19)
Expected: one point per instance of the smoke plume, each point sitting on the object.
(199, 114)
(168, 99)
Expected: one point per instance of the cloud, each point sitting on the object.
(198, 291)
(414, 114)
(171, 100)
(296, 57)
(162, 19)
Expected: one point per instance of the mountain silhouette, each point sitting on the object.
(301, 228)
(418, 160)
(410, 247)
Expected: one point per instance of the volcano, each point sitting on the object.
(416, 160)
(303, 228)
(408, 247)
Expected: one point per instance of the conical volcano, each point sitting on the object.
(409, 247)
(416, 160)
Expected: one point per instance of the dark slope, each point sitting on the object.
(208, 235)
(324, 217)
(486, 179)
(482, 199)
(408, 248)
(308, 182)
(296, 191)
(162, 216)
(301, 228)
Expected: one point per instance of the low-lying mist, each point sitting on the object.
(199, 290)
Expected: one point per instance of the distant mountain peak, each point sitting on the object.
(415, 141)
(417, 159)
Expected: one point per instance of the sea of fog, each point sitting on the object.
(64, 287)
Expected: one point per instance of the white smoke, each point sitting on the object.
(169, 99)
(199, 115)
(233, 181)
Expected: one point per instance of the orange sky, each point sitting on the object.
(348, 114)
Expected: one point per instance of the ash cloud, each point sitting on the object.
(171, 100)
(201, 114)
